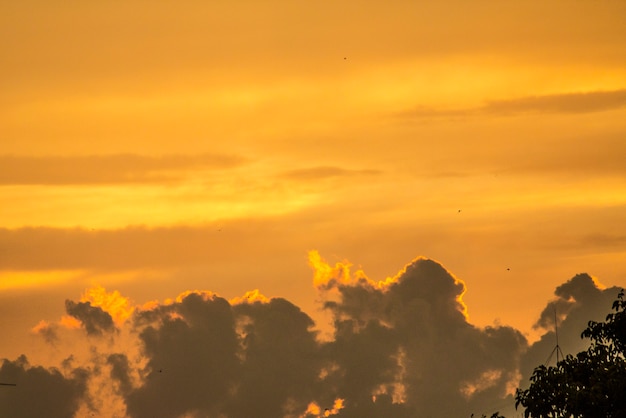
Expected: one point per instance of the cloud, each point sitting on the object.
(323, 172)
(604, 240)
(92, 318)
(191, 348)
(79, 248)
(406, 342)
(39, 391)
(47, 331)
(120, 371)
(398, 347)
(563, 103)
(281, 360)
(98, 312)
(30, 256)
(254, 358)
(586, 102)
(107, 169)
(577, 301)
(113, 303)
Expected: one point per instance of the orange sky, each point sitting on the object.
(157, 147)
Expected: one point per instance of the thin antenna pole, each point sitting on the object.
(556, 334)
(557, 348)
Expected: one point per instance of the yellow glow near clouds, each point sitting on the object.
(113, 303)
(327, 277)
(250, 297)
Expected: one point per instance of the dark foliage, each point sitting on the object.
(590, 384)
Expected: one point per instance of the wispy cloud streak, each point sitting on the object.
(107, 169)
(563, 103)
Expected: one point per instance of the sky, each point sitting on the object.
(303, 208)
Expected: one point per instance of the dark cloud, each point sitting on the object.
(578, 301)
(40, 392)
(106, 169)
(409, 340)
(250, 359)
(280, 360)
(402, 347)
(92, 318)
(323, 172)
(120, 371)
(192, 351)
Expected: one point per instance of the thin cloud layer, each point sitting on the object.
(587, 102)
(323, 172)
(564, 103)
(107, 169)
(399, 347)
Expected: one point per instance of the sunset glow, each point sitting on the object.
(313, 208)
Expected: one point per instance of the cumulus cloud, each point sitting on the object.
(399, 347)
(406, 342)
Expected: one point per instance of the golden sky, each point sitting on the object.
(154, 147)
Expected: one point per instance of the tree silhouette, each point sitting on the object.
(590, 384)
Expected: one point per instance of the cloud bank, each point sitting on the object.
(399, 347)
